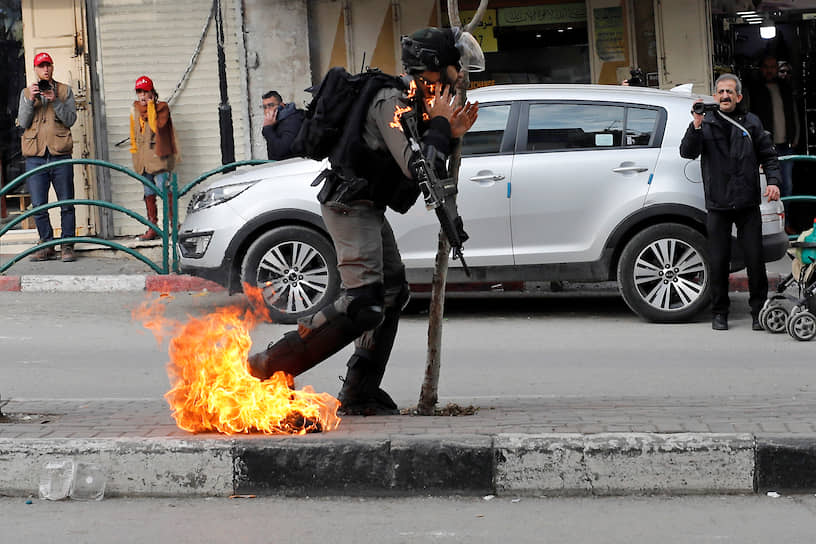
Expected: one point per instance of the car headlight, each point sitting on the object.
(218, 195)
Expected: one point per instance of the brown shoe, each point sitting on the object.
(149, 235)
(68, 254)
(44, 254)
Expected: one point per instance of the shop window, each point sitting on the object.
(574, 126)
(640, 126)
(485, 136)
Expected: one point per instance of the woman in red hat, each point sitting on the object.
(152, 144)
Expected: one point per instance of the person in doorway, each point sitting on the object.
(732, 145)
(47, 112)
(280, 126)
(771, 99)
(152, 145)
(353, 200)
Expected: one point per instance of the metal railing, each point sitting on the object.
(169, 196)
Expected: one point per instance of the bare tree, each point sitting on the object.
(429, 394)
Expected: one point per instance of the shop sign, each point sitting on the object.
(542, 15)
(609, 33)
(484, 30)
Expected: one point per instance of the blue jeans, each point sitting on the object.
(62, 177)
(160, 180)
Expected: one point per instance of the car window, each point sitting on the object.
(640, 126)
(574, 126)
(485, 136)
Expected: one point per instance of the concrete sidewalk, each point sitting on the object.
(93, 271)
(541, 446)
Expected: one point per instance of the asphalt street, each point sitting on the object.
(677, 520)
(87, 346)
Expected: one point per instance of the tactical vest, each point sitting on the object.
(46, 130)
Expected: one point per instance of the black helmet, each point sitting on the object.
(429, 49)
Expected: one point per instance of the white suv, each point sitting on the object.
(558, 182)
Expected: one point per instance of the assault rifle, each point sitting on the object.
(438, 193)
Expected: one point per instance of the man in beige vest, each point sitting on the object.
(47, 111)
(152, 144)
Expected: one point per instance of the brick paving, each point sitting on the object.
(51, 419)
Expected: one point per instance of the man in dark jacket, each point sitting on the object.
(733, 144)
(281, 125)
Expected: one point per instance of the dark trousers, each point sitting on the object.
(749, 237)
(62, 177)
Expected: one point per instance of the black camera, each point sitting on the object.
(700, 108)
(636, 78)
(44, 85)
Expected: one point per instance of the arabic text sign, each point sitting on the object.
(484, 30)
(542, 15)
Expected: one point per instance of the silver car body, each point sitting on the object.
(532, 213)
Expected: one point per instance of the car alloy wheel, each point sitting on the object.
(296, 269)
(663, 273)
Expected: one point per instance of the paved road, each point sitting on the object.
(88, 346)
(692, 520)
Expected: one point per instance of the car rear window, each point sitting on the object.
(640, 126)
(485, 136)
(574, 126)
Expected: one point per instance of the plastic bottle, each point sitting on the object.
(809, 254)
(89, 482)
(56, 479)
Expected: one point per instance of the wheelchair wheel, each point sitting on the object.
(775, 319)
(802, 326)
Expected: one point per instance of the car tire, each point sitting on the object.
(296, 268)
(664, 273)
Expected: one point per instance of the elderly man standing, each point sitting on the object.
(47, 111)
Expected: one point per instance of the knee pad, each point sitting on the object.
(366, 308)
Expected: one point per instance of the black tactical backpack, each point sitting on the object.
(328, 114)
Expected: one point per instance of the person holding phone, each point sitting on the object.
(153, 145)
(47, 111)
(281, 125)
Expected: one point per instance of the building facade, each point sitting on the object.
(101, 46)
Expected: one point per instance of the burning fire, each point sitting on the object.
(399, 110)
(212, 389)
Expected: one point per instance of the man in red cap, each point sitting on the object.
(47, 111)
(152, 144)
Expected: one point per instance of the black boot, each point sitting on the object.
(361, 393)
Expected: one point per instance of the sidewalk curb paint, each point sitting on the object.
(175, 282)
(10, 283)
(785, 463)
(624, 464)
(566, 464)
(151, 467)
(88, 284)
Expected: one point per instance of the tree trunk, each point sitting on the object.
(429, 393)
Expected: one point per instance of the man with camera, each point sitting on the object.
(281, 125)
(47, 111)
(732, 144)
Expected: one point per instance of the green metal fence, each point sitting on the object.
(169, 196)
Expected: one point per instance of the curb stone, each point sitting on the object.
(182, 282)
(410, 465)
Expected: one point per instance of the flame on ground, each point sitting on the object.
(212, 389)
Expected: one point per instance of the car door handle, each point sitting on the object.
(627, 169)
(488, 177)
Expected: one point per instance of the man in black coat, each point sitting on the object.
(281, 125)
(733, 144)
